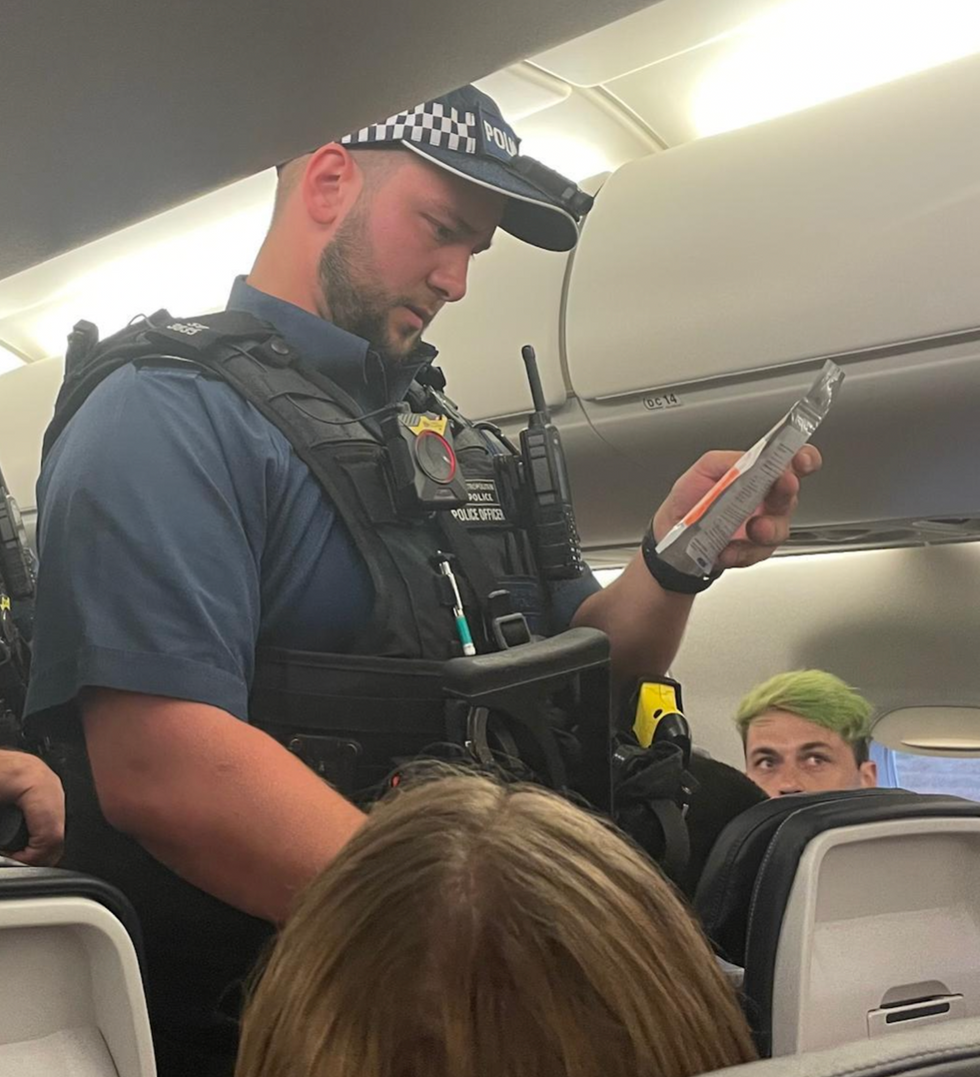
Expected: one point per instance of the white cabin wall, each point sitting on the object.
(900, 625)
(27, 397)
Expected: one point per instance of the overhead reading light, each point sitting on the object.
(803, 52)
(931, 730)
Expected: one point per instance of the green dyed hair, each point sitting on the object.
(817, 697)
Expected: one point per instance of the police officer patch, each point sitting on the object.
(483, 506)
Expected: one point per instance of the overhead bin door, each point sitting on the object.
(850, 225)
(711, 279)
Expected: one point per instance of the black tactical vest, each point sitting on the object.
(386, 697)
(344, 451)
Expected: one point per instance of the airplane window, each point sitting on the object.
(927, 773)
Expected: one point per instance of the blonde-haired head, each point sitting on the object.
(473, 929)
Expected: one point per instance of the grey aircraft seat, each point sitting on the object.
(71, 991)
(855, 914)
(948, 1050)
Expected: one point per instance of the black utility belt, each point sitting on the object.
(352, 718)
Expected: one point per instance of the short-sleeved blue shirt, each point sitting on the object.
(178, 531)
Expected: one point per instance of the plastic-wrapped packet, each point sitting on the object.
(693, 545)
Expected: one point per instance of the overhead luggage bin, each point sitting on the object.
(712, 280)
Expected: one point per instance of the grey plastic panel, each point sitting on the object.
(68, 964)
(951, 1050)
(896, 445)
(80, 1052)
(878, 914)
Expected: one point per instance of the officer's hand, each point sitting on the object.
(768, 526)
(34, 788)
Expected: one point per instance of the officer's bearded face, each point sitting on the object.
(403, 252)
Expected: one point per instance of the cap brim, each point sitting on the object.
(528, 215)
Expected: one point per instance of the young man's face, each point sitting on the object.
(404, 251)
(787, 754)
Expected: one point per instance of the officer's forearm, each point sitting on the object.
(216, 800)
(645, 624)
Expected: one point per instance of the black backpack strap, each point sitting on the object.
(241, 350)
(651, 797)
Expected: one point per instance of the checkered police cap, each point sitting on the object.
(464, 133)
(433, 123)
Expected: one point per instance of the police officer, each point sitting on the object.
(180, 531)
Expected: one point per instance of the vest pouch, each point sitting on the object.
(527, 704)
(318, 704)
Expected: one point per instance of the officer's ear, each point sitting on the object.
(330, 185)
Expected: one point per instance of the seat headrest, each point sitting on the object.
(19, 882)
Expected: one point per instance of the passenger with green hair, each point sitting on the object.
(806, 732)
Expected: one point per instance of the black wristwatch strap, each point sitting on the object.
(670, 578)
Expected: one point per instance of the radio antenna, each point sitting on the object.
(541, 414)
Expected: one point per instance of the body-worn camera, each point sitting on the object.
(424, 467)
(532, 482)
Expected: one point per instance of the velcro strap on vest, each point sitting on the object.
(203, 335)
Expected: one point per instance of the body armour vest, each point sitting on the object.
(345, 452)
(399, 657)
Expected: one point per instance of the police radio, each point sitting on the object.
(424, 468)
(549, 499)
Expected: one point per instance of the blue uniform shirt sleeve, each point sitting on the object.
(567, 595)
(151, 531)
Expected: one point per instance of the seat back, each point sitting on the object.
(854, 914)
(949, 1050)
(71, 992)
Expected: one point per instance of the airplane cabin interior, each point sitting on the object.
(777, 183)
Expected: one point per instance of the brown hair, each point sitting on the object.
(473, 929)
